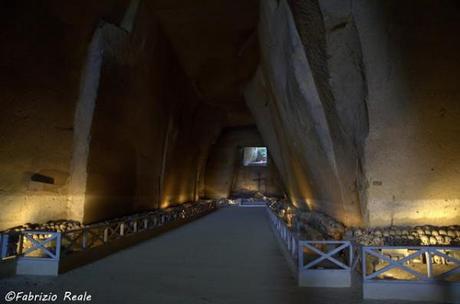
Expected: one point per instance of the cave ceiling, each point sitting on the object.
(216, 43)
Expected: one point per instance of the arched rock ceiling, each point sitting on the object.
(216, 42)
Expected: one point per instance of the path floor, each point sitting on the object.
(228, 256)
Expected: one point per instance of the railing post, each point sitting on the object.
(106, 234)
(122, 229)
(363, 262)
(5, 243)
(294, 249)
(58, 245)
(429, 266)
(299, 256)
(84, 237)
(350, 252)
(20, 244)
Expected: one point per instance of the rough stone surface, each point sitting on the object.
(361, 128)
(150, 153)
(43, 50)
(317, 156)
(105, 100)
(410, 51)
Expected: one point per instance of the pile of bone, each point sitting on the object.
(317, 226)
(169, 211)
(68, 225)
(279, 206)
(176, 209)
(406, 236)
(225, 202)
(57, 226)
(308, 225)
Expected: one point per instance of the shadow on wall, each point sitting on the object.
(147, 135)
(137, 94)
(112, 176)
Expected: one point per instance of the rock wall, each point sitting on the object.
(361, 96)
(412, 165)
(314, 132)
(44, 45)
(147, 133)
(148, 139)
(98, 120)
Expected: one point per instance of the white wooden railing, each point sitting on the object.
(52, 245)
(425, 264)
(40, 245)
(331, 249)
(251, 203)
(288, 237)
(9, 245)
(325, 251)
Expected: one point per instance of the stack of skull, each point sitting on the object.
(69, 225)
(319, 226)
(56, 226)
(308, 225)
(406, 236)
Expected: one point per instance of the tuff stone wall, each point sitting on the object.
(44, 46)
(148, 140)
(105, 112)
(410, 51)
(358, 107)
(303, 123)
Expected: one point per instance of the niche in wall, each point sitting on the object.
(255, 156)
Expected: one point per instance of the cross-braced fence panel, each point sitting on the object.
(325, 255)
(43, 245)
(49, 244)
(416, 263)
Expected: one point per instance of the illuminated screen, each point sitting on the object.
(255, 156)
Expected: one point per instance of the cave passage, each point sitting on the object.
(144, 105)
(124, 117)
